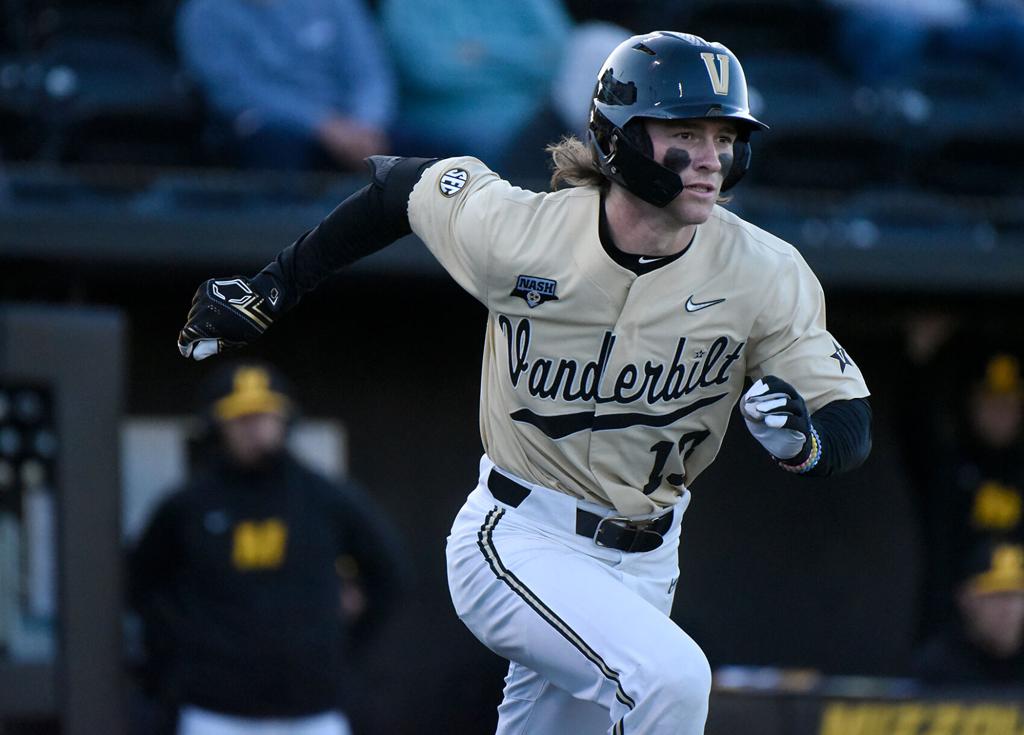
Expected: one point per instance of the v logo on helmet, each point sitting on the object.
(719, 74)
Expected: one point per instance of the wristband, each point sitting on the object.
(266, 286)
(812, 459)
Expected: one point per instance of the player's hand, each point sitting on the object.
(777, 416)
(227, 313)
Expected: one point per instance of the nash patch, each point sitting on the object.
(453, 181)
(535, 291)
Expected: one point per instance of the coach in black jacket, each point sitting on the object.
(250, 578)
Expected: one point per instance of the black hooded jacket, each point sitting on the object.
(238, 579)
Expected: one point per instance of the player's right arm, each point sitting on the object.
(808, 405)
(234, 311)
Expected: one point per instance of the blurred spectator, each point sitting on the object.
(628, 13)
(984, 644)
(472, 74)
(967, 457)
(254, 577)
(572, 87)
(567, 106)
(884, 43)
(291, 84)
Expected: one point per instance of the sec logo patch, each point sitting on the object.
(452, 181)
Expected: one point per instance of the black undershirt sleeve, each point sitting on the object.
(369, 220)
(844, 428)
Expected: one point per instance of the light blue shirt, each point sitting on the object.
(472, 72)
(290, 62)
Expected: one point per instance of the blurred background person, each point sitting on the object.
(567, 107)
(963, 433)
(472, 75)
(253, 578)
(881, 40)
(984, 644)
(290, 84)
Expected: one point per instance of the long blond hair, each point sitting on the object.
(573, 164)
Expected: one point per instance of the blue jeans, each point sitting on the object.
(271, 147)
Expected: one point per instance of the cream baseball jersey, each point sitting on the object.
(603, 384)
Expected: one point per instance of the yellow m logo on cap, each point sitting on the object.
(719, 73)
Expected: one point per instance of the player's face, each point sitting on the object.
(997, 417)
(701, 152)
(995, 621)
(252, 440)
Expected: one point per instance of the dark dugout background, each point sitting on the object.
(896, 216)
(776, 570)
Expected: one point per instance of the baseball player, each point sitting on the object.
(625, 313)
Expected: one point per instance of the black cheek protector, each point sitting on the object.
(740, 162)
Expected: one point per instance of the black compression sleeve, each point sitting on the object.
(369, 220)
(844, 428)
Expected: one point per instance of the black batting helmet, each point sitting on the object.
(669, 76)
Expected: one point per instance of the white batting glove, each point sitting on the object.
(776, 414)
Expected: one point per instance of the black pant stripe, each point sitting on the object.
(486, 543)
(503, 573)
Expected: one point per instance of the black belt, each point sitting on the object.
(611, 531)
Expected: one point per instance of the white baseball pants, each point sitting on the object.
(586, 628)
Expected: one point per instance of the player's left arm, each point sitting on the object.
(834, 439)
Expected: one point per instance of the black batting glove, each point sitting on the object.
(777, 416)
(228, 313)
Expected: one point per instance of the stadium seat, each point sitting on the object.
(252, 191)
(916, 219)
(21, 134)
(20, 137)
(805, 219)
(970, 143)
(143, 19)
(1007, 216)
(820, 136)
(980, 162)
(761, 26)
(116, 100)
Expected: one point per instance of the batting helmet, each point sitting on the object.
(669, 76)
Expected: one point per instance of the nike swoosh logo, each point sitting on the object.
(692, 306)
(644, 261)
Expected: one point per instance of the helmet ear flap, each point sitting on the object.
(636, 132)
(740, 164)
